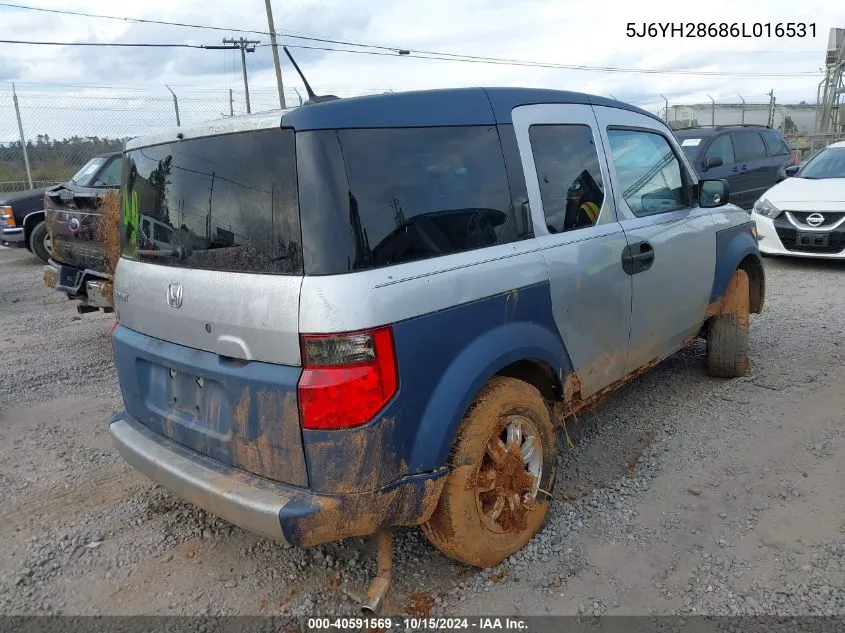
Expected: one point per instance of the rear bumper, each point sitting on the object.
(87, 285)
(284, 513)
(12, 234)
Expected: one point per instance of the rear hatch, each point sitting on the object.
(208, 291)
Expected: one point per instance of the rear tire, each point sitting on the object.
(502, 471)
(727, 332)
(40, 242)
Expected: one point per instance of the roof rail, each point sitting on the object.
(723, 125)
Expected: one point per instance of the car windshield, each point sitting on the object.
(85, 176)
(691, 146)
(829, 163)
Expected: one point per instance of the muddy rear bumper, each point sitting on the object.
(201, 481)
(285, 513)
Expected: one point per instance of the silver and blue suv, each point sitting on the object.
(368, 312)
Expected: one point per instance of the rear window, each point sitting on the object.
(748, 146)
(378, 197)
(226, 203)
(775, 143)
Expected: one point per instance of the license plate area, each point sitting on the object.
(812, 240)
(191, 405)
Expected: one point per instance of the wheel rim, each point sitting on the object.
(508, 479)
(48, 243)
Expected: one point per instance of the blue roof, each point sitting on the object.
(455, 106)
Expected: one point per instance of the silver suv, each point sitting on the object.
(369, 312)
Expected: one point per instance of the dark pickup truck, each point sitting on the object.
(22, 221)
(77, 265)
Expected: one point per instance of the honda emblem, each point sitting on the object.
(174, 295)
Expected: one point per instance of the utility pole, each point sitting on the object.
(742, 120)
(665, 110)
(23, 138)
(231, 103)
(832, 87)
(246, 46)
(771, 94)
(712, 111)
(275, 48)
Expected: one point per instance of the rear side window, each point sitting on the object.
(568, 172)
(748, 145)
(722, 148)
(775, 143)
(379, 197)
(225, 203)
(648, 171)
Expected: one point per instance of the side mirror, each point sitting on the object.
(712, 193)
(713, 161)
(792, 170)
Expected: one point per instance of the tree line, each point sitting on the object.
(53, 159)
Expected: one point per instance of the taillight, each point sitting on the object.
(113, 328)
(347, 378)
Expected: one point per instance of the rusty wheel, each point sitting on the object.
(502, 472)
(509, 477)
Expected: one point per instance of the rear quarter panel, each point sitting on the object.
(457, 321)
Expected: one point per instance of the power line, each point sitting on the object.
(123, 44)
(392, 51)
(468, 60)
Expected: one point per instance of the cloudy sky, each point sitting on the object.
(589, 33)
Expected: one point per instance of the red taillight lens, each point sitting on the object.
(347, 378)
(113, 328)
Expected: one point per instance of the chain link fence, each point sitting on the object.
(63, 130)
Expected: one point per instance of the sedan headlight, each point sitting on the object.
(766, 208)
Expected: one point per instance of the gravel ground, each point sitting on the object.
(682, 495)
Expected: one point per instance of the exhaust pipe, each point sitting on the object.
(381, 583)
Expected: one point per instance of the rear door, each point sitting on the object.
(207, 292)
(574, 217)
(671, 254)
(752, 168)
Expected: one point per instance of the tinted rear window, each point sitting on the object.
(775, 143)
(379, 197)
(748, 145)
(225, 203)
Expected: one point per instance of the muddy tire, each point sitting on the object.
(727, 332)
(502, 471)
(39, 241)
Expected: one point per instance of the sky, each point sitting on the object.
(554, 31)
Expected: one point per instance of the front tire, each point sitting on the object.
(502, 473)
(727, 332)
(40, 241)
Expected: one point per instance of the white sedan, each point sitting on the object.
(804, 215)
